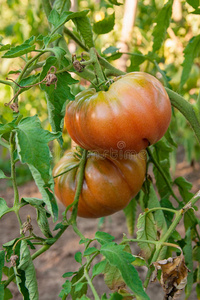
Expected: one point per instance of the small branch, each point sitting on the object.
(75, 39)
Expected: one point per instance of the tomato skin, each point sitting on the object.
(136, 110)
(109, 184)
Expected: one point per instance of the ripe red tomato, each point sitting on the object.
(134, 113)
(109, 183)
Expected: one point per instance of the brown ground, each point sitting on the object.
(60, 257)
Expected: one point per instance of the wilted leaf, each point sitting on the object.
(130, 213)
(174, 275)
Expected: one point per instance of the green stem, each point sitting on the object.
(73, 37)
(7, 83)
(97, 67)
(113, 71)
(79, 187)
(186, 109)
(13, 171)
(29, 63)
(160, 170)
(169, 232)
(96, 296)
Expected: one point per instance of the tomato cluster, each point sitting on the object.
(134, 113)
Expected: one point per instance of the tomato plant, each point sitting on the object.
(136, 110)
(118, 91)
(109, 183)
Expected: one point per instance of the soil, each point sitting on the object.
(60, 257)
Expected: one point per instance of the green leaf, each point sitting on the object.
(2, 291)
(139, 261)
(3, 207)
(196, 11)
(42, 215)
(158, 214)
(161, 151)
(192, 50)
(78, 257)
(99, 268)
(68, 274)
(49, 39)
(193, 3)
(62, 5)
(115, 2)
(57, 98)
(122, 260)
(184, 188)
(146, 231)
(7, 294)
(105, 25)
(163, 21)
(5, 47)
(90, 251)
(187, 250)
(22, 49)
(80, 19)
(2, 175)
(85, 29)
(32, 146)
(112, 277)
(77, 294)
(130, 213)
(111, 50)
(66, 289)
(25, 275)
(103, 237)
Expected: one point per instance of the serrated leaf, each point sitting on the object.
(85, 29)
(57, 98)
(22, 49)
(130, 213)
(3, 207)
(161, 151)
(32, 147)
(5, 47)
(187, 250)
(163, 21)
(77, 294)
(192, 50)
(49, 39)
(99, 268)
(112, 277)
(103, 237)
(105, 25)
(184, 188)
(146, 231)
(66, 288)
(62, 5)
(122, 260)
(80, 19)
(42, 219)
(25, 275)
(193, 3)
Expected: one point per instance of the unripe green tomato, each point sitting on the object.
(109, 183)
(134, 113)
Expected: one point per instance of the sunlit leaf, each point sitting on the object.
(105, 25)
(191, 51)
(162, 23)
(22, 49)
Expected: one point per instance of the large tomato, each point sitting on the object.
(109, 183)
(134, 113)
